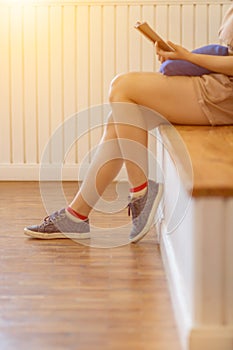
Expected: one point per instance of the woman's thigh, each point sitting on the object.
(172, 97)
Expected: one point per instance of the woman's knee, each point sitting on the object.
(120, 88)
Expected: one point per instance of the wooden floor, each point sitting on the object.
(66, 296)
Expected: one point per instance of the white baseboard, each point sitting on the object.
(32, 172)
(19, 172)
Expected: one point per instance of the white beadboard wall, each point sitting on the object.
(58, 58)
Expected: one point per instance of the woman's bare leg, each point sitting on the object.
(125, 139)
(105, 166)
(172, 97)
(132, 135)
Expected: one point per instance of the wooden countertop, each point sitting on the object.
(211, 153)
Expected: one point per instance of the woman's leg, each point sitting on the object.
(104, 167)
(172, 97)
(132, 133)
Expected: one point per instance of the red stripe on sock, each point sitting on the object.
(74, 213)
(138, 188)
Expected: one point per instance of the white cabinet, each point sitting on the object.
(197, 252)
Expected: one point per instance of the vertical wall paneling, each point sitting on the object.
(148, 64)
(108, 66)
(201, 31)
(58, 59)
(187, 33)
(161, 24)
(135, 39)
(148, 51)
(17, 97)
(224, 8)
(122, 35)
(96, 92)
(174, 20)
(43, 81)
(30, 132)
(5, 98)
(214, 22)
(82, 79)
(69, 73)
(56, 80)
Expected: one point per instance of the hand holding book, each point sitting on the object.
(175, 59)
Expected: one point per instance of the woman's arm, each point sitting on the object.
(218, 64)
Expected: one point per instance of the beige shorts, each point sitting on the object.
(215, 96)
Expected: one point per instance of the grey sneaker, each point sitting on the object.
(59, 225)
(143, 210)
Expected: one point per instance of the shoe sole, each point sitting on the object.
(151, 216)
(55, 235)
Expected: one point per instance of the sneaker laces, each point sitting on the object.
(135, 207)
(47, 221)
(131, 209)
(50, 219)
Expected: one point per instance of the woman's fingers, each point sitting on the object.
(160, 57)
(178, 53)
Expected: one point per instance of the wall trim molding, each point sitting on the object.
(38, 3)
(52, 172)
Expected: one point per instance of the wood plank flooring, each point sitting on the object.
(66, 296)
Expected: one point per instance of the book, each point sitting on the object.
(148, 32)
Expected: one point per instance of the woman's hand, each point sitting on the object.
(179, 53)
(218, 64)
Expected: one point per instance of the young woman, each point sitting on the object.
(202, 100)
